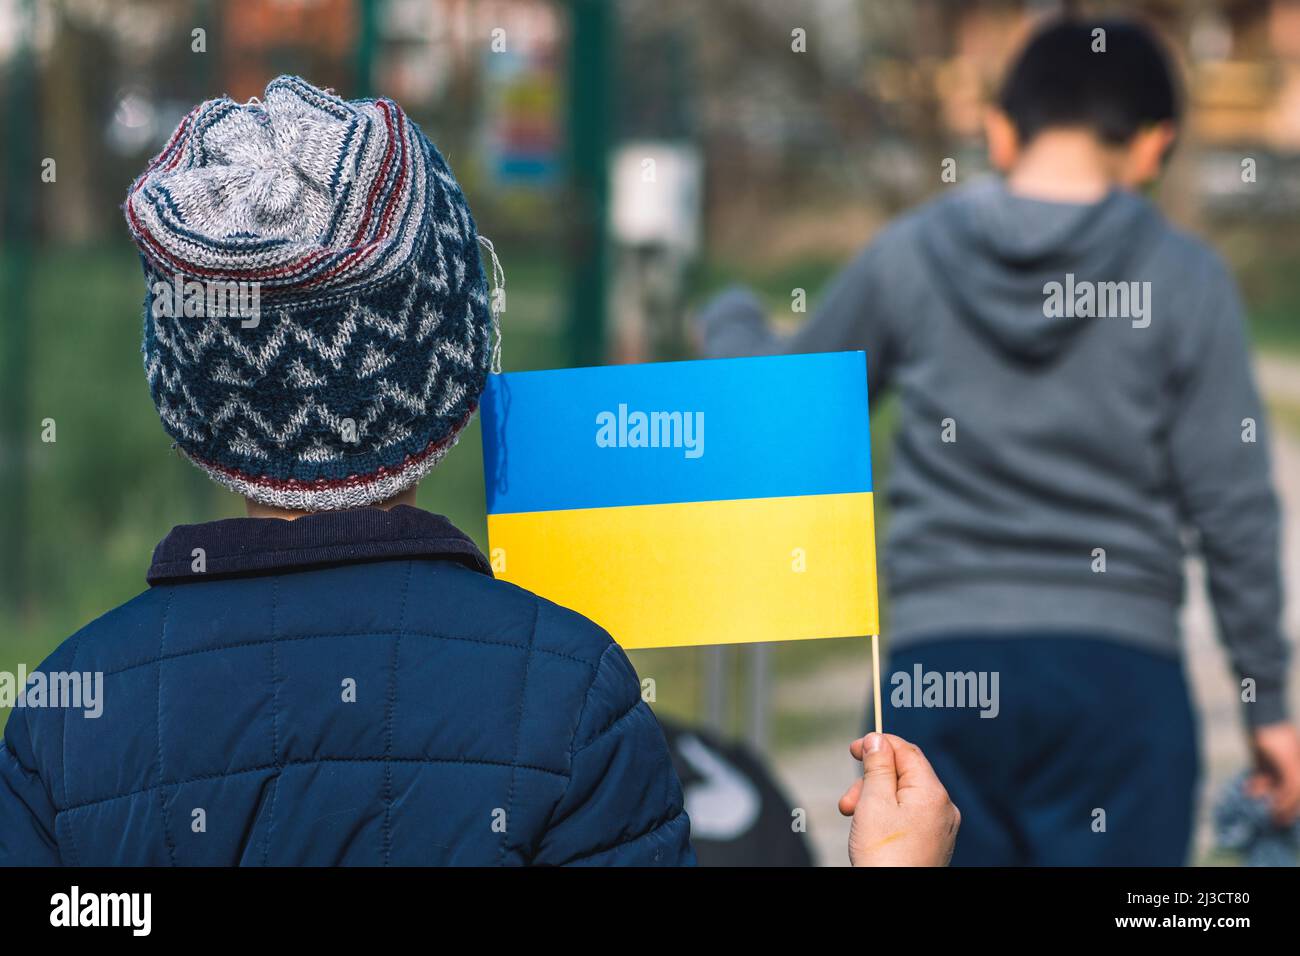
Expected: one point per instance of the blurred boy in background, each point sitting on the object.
(1075, 391)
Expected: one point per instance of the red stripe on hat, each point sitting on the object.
(189, 268)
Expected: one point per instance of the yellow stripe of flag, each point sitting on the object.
(735, 571)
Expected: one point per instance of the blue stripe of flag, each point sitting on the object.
(773, 427)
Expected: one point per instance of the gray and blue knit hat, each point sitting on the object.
(317, 327)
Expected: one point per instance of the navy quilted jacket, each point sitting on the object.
(348, 688)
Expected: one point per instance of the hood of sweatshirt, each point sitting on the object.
(994, 254)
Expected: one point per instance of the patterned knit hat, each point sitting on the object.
(317, 329)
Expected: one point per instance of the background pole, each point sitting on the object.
(364, 55)
(591, 84)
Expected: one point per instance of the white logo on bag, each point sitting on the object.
(722, 806)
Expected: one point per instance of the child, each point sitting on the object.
(1074, 386)
(315, 685)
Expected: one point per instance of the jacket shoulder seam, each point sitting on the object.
(574, 749)
(609, 728)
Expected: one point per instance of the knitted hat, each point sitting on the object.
(317, 329)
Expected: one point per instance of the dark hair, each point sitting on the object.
(1057, 80)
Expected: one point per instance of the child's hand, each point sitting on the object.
(901, 813)
(1277, 758)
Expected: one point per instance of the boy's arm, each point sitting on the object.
(851, 316)
(1226, 491)
(26, 813)
(623, 804)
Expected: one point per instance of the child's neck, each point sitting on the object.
(1065, 165)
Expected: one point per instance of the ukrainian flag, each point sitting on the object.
(681, 503)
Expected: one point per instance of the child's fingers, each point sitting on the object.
(849, 802)
(910, 764)
(879, 772)
(914, 770)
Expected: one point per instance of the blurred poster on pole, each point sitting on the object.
(523, 137)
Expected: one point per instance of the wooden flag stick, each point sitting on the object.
(875, 676)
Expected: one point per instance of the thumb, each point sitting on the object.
(879, 771)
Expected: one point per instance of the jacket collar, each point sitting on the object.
(247, 546)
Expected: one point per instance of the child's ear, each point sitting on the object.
(1002, 139)
(1147, 152)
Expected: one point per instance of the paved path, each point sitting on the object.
(1279, 377)
(816, 775)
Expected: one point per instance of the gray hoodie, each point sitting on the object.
(1075, 403)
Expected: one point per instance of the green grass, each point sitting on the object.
(1263, 263)
(774, 284)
